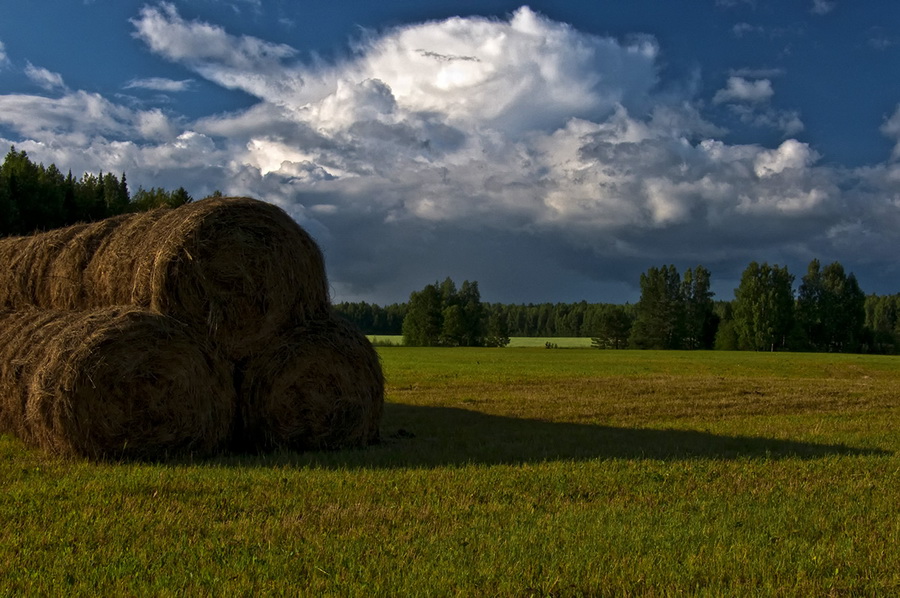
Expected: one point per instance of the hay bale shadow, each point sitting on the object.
(430, 437)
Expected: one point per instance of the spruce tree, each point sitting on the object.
(659, 321)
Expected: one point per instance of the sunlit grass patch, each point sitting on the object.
(526, 472)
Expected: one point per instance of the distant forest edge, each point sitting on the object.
(827, 312)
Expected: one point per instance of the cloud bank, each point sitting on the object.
(547, 163)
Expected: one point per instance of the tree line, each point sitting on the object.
(501, 321)
(828, 312)
(34, 197)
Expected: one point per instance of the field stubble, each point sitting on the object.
(507, 472)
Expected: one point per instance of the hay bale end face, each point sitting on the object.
(319, 387)
(112, 383)
(238, 269)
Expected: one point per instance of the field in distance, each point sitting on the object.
(558, 342)
(507, 473)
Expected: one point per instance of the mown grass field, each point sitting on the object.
(507, 472)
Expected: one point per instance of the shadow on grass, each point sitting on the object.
(416, 436)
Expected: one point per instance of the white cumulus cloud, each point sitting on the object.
(739, 89)
(790, 154)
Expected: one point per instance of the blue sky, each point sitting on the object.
(552, 151)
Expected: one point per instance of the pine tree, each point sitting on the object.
(179, 197)
(123, 197)
(613, 328)
(810, 307)
(659, 321)
(472, 312)
(700, 320)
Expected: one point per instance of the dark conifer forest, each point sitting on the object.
(34, 197)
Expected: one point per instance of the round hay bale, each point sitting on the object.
(237, 268)
(112, 383)
(318, 387)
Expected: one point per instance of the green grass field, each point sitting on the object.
(507, 473)
(558, 342)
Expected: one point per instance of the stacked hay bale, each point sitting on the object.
(111, 383)
(246, 281)
(236, 268)
(319, 385)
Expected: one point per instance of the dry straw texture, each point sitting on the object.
(112, 383)
(236, 268)
(320, 386)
